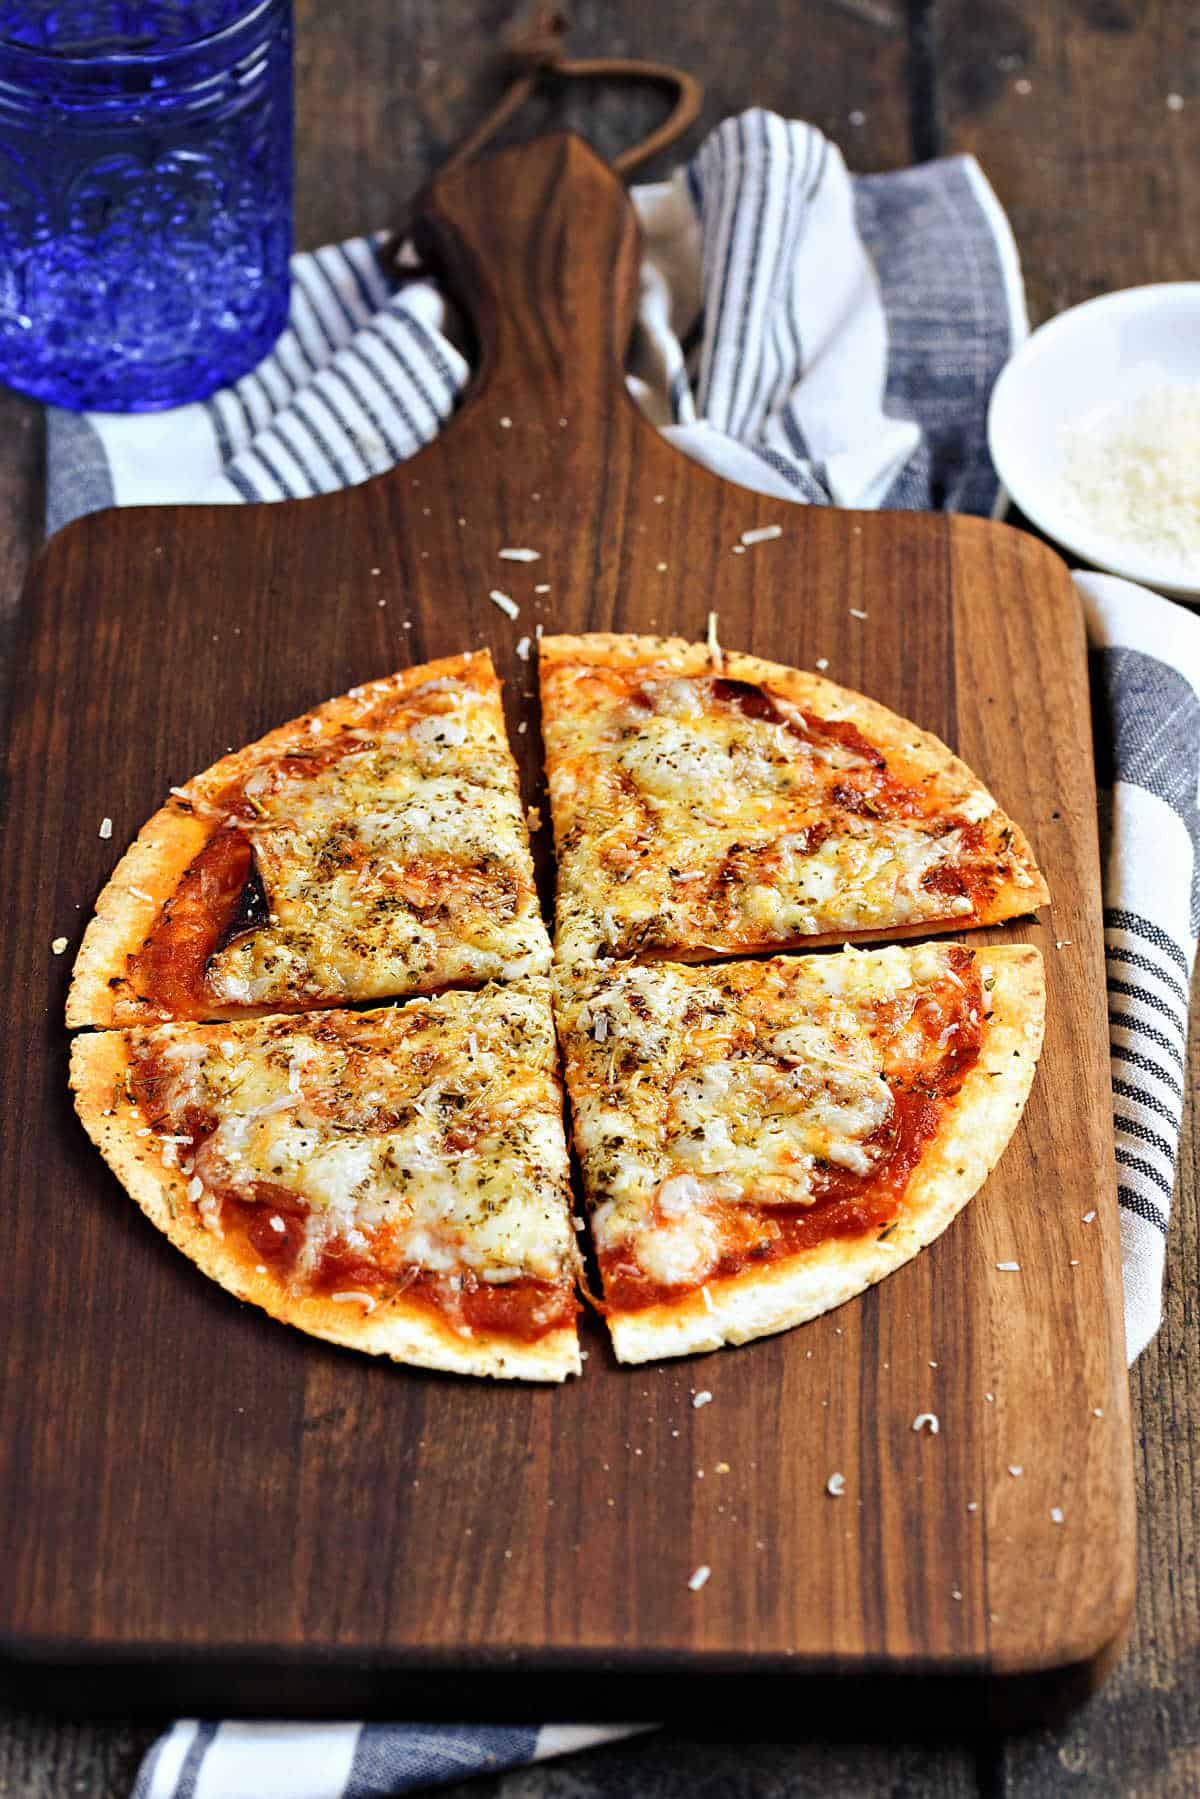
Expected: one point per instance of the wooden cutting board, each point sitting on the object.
(203, 1509)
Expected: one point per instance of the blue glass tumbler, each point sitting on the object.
(145, 196)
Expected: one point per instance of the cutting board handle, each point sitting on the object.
(539, 246)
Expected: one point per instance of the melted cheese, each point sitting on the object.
(717, 1088)
(403, 864)
(427, 1136)
(685, 822)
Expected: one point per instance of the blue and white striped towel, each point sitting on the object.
(828, 338)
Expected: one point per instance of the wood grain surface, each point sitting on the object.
(383, 87)
(393, 1523)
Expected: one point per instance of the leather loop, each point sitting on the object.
(536, 52)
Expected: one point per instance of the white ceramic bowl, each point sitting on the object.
(1086, 368)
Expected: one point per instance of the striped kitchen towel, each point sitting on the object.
(1145, 673)
(829, 338)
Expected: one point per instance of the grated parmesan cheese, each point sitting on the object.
(698, 1579)
(505, 602)
(1134, 474)
(519, 555)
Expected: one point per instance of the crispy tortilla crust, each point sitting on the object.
(150, 871)
(893, 735)
(975, 1129)
(398, 1329)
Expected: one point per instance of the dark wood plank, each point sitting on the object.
(1066, 106)
(1097, 173)
(43, 1757)
(534, 1561)
(670, 1766)
(384, 91)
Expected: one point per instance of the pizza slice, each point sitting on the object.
(760, 1141)
(373, 848)
(709, 803)
(394, 1180)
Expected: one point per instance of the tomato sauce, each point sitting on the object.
(205, 911)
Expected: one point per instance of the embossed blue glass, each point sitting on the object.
(145, 196)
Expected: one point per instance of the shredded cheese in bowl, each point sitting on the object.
(1133, 473)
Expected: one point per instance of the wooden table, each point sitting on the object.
(1066, 105)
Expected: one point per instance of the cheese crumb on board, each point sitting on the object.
(836, 1485)
(762, 534)
(704, 1398)
(106, 828)
(519, 555)
(1009, 1267)
(58, 946)
(927, 1421)
(505, 602)
(697, 1580)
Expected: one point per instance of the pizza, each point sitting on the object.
(393, 1179)
(759, 1138)
(762, 1140)
(372, 848)
(708, 803)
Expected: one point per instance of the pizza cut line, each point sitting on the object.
(759, 1139)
